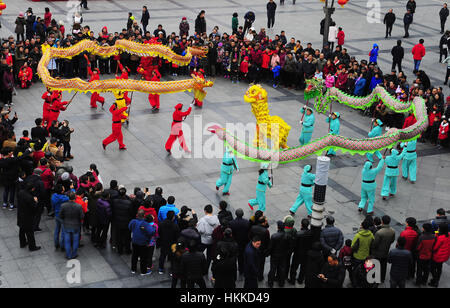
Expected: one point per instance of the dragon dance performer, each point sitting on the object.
(117, 117)
(125, 70)
(306, 191)
(307, 125)
(121, 102)
(199, 94)
(391, 173)
(369, 185)
(95, 97)
(55, 107)
(375, 132)
(335, 126)
(47, 97)
(154, 98)
(176, 131)
(229, 165)
(263, 181)
(409, 165)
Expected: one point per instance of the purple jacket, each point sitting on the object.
(8, 80)
(103, 211)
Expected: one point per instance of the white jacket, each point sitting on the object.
(205, 227)
(332, 34)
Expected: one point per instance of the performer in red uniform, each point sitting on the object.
(95, 97)
(56, 107)
(47, 97)
(117, 116)
(154, 98)
(124, 75)
(177, 128)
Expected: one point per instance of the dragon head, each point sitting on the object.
(201, 83)
(313, 86)
(198, 51)
(255, 94)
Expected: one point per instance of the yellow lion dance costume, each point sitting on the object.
(267, 126)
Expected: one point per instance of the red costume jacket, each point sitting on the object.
(93, 76)
(117, 114)
(178, 115)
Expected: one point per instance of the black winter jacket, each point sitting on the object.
(193, 265)
(240, 228)
(121, 212)
(26, 210)
(331, 237)
(278, 247)
(400, 260)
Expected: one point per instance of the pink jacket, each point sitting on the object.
(329, 81)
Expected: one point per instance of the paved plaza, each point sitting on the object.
(192, 179)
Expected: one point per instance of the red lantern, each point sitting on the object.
(342, 2)
(2, 7)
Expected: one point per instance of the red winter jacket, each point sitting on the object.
(47, 177)
(443, 131)
(411, 237)
(410, 120)
(341, 37)
(425, 246)
(432, 116)
(441, 250)
(150, 211)
(244, 67)
(418, 52)
(265, 60)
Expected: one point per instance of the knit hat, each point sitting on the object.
(37, 171)
(65, 176)
(379, 122)
(280, 225)
(20, 14)
(184, 18)
(289, 221)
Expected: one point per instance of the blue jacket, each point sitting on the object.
(162, 214)
(142, 232)
(374, 53)
(276, 71)
(374, 82)
(57, 201)
(359, 87)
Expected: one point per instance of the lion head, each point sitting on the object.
(255, 93)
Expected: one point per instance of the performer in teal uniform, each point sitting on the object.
(306, 191)
(375, 132)
(229, 165)
(409, 165)
(263, 181)
(391, 173)
(369, 186)
(335, 126)
(307, 125)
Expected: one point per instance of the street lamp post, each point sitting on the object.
(326, 28)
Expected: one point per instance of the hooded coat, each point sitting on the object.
(373, 54)
(361, 244)
(206, 226)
